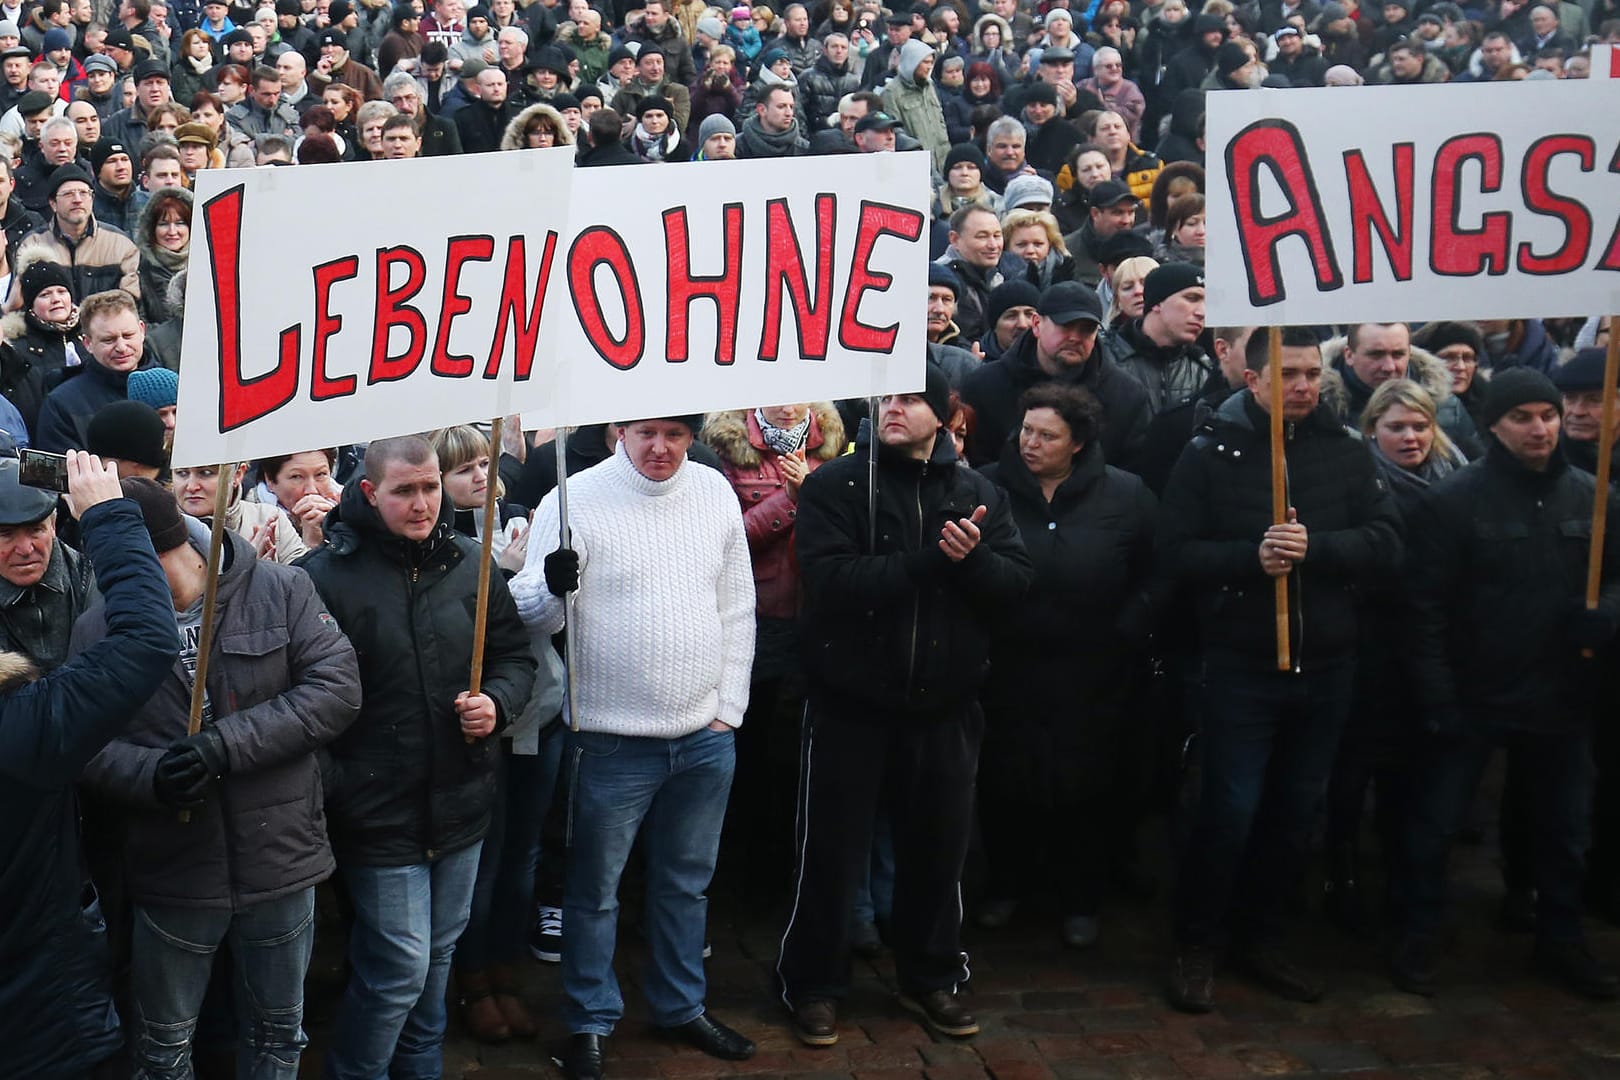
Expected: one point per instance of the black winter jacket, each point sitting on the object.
(404, 786)
(902, 629)
(282, 682)
(820, 90)
(64, 419)
(1498, 569)
(994, 389)
(56, 1010)
(1217, 507)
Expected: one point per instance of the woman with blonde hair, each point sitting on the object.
(465, 462)
(1034, 236)
(1125, 289)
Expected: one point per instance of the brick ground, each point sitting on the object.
(1049, 1013)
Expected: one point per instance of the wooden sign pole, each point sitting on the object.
(491, 523)
(223, 478)
(1279, 488)
(1600, 498)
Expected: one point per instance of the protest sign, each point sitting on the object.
(409, 306)
(1605, 62)
(670, 288)
(705, 286)
(1489, 200)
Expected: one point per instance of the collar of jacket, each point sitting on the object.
(354, 523)
(1241, 417)
(1499, 459)
(1087, 469)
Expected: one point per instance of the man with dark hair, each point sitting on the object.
(604, 147)
(896, 638)
(975, 255)
(402, 582)
(1267, 737)
(262, 112)
(1112, 210)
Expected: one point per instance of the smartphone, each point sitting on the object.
(38, 469)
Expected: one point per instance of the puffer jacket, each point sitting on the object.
(403, 785)
(282, 682)
(1171, 377)
(1217, 506)
(902, 629)
(821, 87)
(1498, 568)
(56, 1009)
(513, 138)
(768, 513)
(102, 259)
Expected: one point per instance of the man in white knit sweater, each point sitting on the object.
(664, 637)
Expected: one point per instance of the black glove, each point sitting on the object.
(1588, 628)
(187, 767)
(562, 571)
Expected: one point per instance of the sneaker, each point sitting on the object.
(1572, 963)
(1080, 931)
(1270, 967)
(545, 941)
(1192, 979)
(1415, 967)
(996, 914)
(942, 1011)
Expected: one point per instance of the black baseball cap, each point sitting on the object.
(1109, 193)
(878, 121)
(1070, 301)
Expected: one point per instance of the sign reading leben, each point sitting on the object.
(667, 289)
(1447, 202)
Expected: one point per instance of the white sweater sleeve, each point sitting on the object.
(541, 611)
(736, 599)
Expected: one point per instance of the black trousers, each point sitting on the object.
(921, 771)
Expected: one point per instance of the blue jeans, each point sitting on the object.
(677, 788)
(406, 922)
(503, 895)
(1266, 744)
(171, 956)
(874, 903)
(1557, 774)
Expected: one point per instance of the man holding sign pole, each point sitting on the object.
(1268, 737)
(411, 785)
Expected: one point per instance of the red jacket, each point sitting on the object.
(768, 513)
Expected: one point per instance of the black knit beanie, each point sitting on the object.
(1517, 386)
(164, 522)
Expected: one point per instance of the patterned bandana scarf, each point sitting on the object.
(783, 440)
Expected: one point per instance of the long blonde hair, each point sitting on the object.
(1413, 396)
(1137, 267)
(456, 446)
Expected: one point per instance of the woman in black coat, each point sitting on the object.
(1066, 669)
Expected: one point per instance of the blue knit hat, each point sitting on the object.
(156, 386)
(942, 275)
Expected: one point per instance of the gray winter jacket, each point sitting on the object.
(283, 681)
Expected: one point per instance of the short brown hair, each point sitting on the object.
(104, 304)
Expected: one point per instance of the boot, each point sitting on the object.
(478, 1009)
(509, 1000)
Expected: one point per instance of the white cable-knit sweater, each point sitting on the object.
(665, 611)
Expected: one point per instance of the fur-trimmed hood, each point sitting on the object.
(727, 434)
(1424, 368)
(16, 670)
(512, 138)
(992, 19)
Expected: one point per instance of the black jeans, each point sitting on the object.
(921, 771)
(1557, 772)
(1266, 744)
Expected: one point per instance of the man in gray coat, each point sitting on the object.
(282, 681)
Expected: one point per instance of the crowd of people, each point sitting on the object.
(1031, 603)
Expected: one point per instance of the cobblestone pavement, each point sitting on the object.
(1047, 1011)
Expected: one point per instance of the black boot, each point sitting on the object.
(582, 1058)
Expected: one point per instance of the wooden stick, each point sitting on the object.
(491, 522)
(565, 539)
(1279, 488)
(223, 479)
(1600, 497)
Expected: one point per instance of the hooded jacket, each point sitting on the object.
(283, 681)
(33, 362)
(513, 138)
(404, 786)
(755, 473)
(994, 389)
(901, 630)
(1423, 368)
(1217, 506)
(56, 1010)
(1180, 142)
(917, 107)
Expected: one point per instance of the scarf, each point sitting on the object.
(60, 326)
(782, 440)
(1431, 472)
(649, 147)
(766, 144)
(201, 65)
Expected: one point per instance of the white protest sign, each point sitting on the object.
(721, 285)
(407, 305)
(1488, 200)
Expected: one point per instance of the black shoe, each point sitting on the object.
(1415, 965)
(545, 939)
(1268, 966)
(582, 1060)
(943, 1012)
(1341, 901)
(713, 1038)
(816, 1022)
(1572, 963)
(1517, 915)
(1192, 979)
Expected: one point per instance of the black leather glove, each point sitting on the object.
(1588, 628)
(188, 766)
(562, 571)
